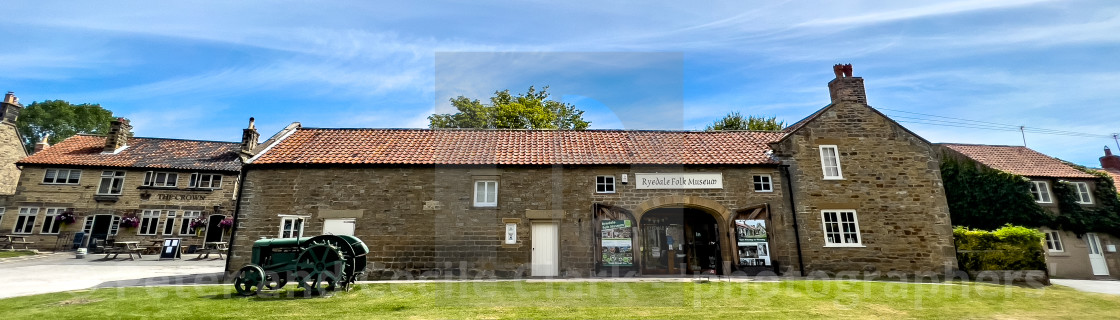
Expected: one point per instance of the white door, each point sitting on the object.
(338, 226)
(1096, 257)
(546, 241)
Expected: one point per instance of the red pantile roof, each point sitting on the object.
(86, 150)
(1018, 160)
(1114, 174)
(519, 147)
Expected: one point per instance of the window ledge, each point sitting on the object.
(107, 197)
(1058, 254)
(59, 184)
(832, 178)
(484, 208)
(765, 191)
(845, 246)
(158, 188)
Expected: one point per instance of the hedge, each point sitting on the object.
(1007, 248)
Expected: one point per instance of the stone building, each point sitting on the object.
(846, 189)
(168, 187)
(11, 144)
(1068, 254)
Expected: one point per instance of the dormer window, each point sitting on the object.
(161, 179)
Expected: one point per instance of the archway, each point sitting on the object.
(681, 240)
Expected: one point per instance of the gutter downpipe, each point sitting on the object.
(237, 215)
(793, 212)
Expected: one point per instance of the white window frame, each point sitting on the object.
(604, 184)
(25, 221)
(841, 231)
(185, 228)
(205, 180)
(1040, 190)
(152, 179)
(825, 165)
(489, 196)
(1054, 241)
(767, 186)
(1084, 195)
(169, 223)
(50, 221)
(149, 222)
(2, 211)
(54, 175)
(292, 233)
(115, 179)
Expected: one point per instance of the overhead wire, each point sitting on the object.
(936, 120)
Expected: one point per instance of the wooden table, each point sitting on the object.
(126, 247)
(153, 247)
(213, 247)
(14, 240)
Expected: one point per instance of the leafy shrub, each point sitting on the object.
(1007, 248)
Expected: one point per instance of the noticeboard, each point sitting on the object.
(170, 249)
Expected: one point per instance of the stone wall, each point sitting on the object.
(891, 178)
(420, 220)
(81, 198)
(11, 150)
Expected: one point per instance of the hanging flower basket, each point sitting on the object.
(66, 217)
(226, 223)
(130, 222)
(199, 224)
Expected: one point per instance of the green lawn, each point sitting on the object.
(581, 300)
(9, 254)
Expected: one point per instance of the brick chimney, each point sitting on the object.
(9, 111)
(250, 137)
(118, 135)
(43, 143)
(1110, 161)
(846, 88)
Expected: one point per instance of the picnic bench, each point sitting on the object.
(124, 247)
(219, 248)
(16, 240)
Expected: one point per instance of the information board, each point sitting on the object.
(170, 249)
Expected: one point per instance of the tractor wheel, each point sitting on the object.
(249, 280)
(354, 264)
(320, 267)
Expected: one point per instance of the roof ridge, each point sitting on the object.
(542, 130)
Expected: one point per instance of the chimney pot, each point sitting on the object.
(10, 108)
(846, 88)
(250, 137)
(1109, 160)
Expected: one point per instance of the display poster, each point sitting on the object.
(754, 249)
(617, 244)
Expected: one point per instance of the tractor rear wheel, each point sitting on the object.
(320, 267)
(249, 280)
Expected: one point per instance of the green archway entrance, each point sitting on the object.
(680, 240)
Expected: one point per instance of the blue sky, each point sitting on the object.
(199, 70)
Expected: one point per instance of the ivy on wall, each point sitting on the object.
(987, 199)
(984, 198)
(1103, 216)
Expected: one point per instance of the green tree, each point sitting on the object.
(61, 120)
(532, 110)
(735, 121)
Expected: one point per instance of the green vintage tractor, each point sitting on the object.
(318, 264)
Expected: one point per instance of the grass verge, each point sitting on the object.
(12, 254)
(580, 300)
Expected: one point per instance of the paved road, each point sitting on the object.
(62, 272)
(1099, 286)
